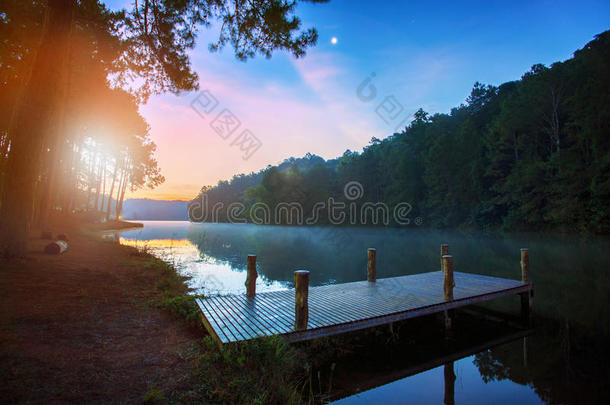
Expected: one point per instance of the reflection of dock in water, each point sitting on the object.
(379, 377)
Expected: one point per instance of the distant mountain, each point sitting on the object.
(146, 209)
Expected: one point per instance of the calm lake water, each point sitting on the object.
(564, 360)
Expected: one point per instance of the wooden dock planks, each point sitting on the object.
(340, 308)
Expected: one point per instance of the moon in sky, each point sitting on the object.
(333, 40)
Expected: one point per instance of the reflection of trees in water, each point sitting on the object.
(326, 252)
(561, 363)
(566, 358)
(568, 272)
(379, 356)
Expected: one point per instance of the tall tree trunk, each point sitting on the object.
(6, 142)
(69, 180)
(116, 167)
(76, 163)
(121, 185)
(36, 119)
(103, 186)
(42, 192)
(22, 81)
(57, 147)
(99, 184)
(49, 189)
(91, 179)
(119, 209)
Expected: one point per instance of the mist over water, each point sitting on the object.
(567, 354)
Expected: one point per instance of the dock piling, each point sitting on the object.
(235, 318)
(527, 298)
(301, 295)
(448, 281)
(252, 275)
(372, 265)
(448, 284)
(444, 252)
(525, 265)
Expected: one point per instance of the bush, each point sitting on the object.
(184, 307)
(260, 371)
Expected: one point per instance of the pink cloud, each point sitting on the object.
(320, 115)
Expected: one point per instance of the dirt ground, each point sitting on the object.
(80, 327)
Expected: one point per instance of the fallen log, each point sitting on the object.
(56, 248)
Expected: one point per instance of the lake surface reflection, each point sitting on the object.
(567, 355)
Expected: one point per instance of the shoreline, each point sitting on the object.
(114, 323)
(117, 225)
(91, 324)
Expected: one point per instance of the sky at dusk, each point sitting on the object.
(422, 54)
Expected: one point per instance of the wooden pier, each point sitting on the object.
(307, 313)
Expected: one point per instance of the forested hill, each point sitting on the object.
(529, 154)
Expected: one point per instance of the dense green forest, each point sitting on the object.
(528, 154)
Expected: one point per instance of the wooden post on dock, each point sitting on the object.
(527, 298)
(252, 275)
(448, 282)
(301, 294)
(372, 265)
(444, 252)
(525, 265)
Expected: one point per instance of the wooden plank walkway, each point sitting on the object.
(340, 308)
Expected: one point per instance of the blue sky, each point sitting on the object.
(453, 44)
(424, 54)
